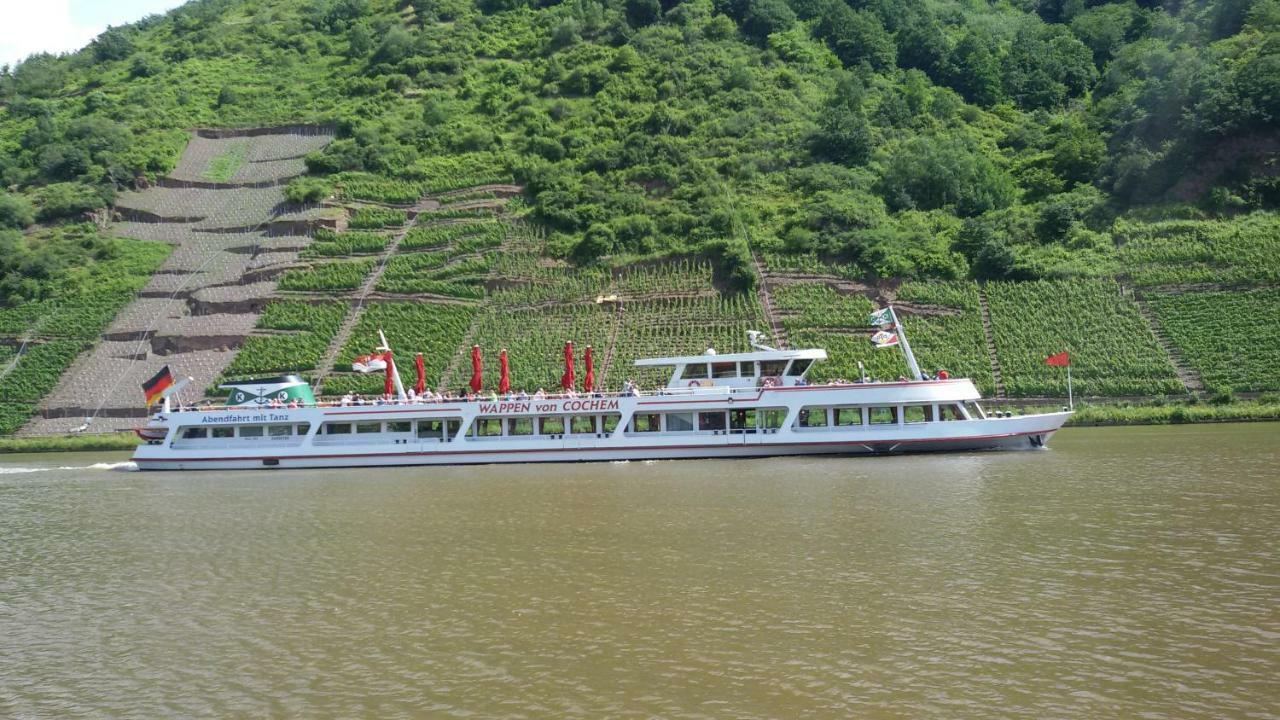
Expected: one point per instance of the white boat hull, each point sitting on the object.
(1020, 433)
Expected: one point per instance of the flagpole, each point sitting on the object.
(906, 346)
(1071, 403)
(391, 366)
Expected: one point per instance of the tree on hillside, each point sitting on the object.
(936, 172)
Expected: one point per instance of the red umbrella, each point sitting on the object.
(420, 386)
(477, 370)
(566, 380)
(504, 382)
(388, 387)
(589, 378)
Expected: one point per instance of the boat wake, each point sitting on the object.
(126, 466)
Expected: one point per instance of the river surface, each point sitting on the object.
(1123, 573)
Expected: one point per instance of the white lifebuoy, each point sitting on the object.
(694, 383)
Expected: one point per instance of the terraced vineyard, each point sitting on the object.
(436, 331)
(310, 328)
(60, 328)
(1231, 338)
(1113, 350)
(1221, 252)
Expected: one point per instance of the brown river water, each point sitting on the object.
(1123, 573)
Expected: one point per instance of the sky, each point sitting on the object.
(54, 26)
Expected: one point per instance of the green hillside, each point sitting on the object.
(1002, 165)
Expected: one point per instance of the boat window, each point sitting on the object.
(251, 431)
(399, 426)
(304, 428)
(337, 428)
(724, 370)
(582, 424)
(520, 426)
(772, 418)
(609, 422)
(224, 432)
(882, 415)
(848, 416)
(742, 419)
(195, 433)
(950, 412)
(799, 366)
(651, 422)
(772, 367)
(279, 430)
(812, 417)
(430, 428)
(917, 413)
(368, 427)
(975, 410)
(486, 427)
(551, 426)
(694, 371)
(711, 420)
(679, 422)
(747, 368)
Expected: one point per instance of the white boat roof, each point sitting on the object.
(711, 356)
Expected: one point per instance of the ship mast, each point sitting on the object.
(391, 368)
(906, 346)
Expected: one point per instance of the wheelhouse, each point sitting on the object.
(765, 368)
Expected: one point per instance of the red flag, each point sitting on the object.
(389, 387)
(504, 381)
(566, 380)
(588, 378)
(477, 370)
(420, 386)
(1062, 359)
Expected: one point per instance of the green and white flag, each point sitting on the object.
(257, 393)
(883, 316)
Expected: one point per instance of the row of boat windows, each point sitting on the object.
(746, 369)
(756, 419)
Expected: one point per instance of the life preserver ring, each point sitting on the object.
(769, 382)
(695, 383)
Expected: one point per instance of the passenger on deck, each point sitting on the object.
(522, 395)
(540, 395)
(943, 374)
(293, 404)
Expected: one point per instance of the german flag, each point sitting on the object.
(157, 385)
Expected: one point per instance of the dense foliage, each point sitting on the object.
(941, 140)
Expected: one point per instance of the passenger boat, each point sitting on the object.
(740, 405)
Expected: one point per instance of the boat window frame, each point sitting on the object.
(688, 368)
(718, 368)
(273, 431)
(330, 428)
(255, 431)
(748, 369)
(803, 363)
(767, 417)
(666, 422)
(487, 422)
(653, 423)
(571, 427)
(222, 432)
(970, 406)
(858, 411)
(926, 413)
(609, 423)
(894, 415)
(543, 420)
(721, 415)
(194, 432)
(368, 427)
(527, 420)
(956, 410)
(805, 416)
(767, 365)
